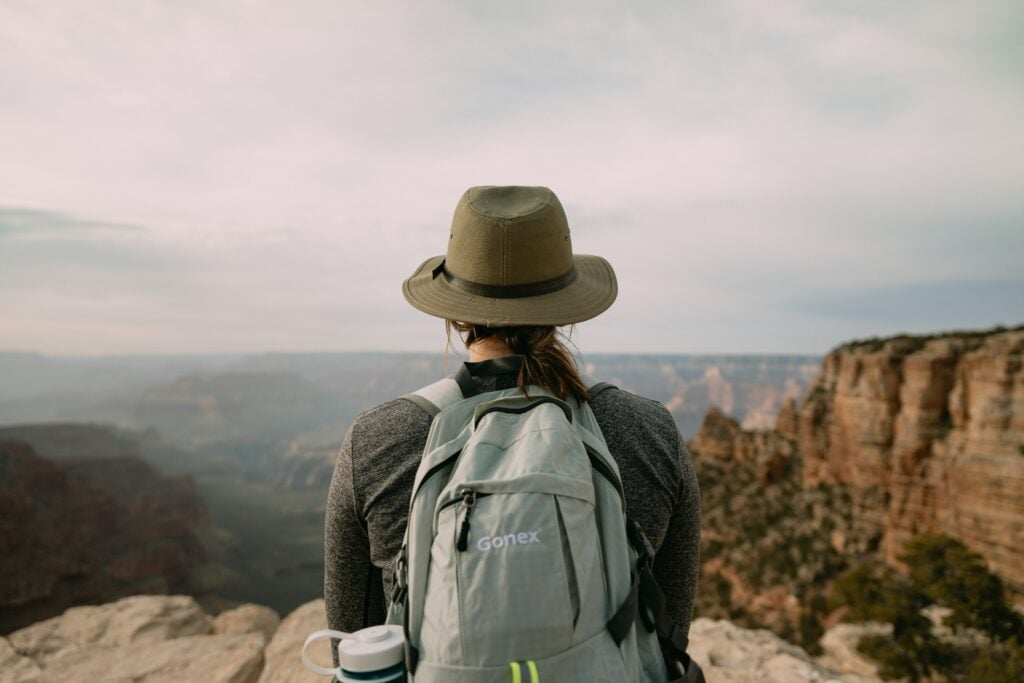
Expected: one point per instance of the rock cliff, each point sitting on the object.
(169, 639)
(895, 438)
(928, 434)
(769, 453)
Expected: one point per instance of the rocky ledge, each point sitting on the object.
(170, 639)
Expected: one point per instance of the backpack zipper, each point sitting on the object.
(468, 501)
(456, 501)
(596, 463)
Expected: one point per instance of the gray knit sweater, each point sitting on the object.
(369, 498)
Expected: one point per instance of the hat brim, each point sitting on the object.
(589, 295)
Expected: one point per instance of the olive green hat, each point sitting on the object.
(509, 263)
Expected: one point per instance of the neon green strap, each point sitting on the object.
(517, 671)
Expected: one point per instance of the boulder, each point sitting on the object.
(141, 639)
(15, 668)
(189, 659)
(138, 620)
(729, 654)
(840, 648)
(247, 618)
(168, 639)
(283, 656)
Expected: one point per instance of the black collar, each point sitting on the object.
(494, 367)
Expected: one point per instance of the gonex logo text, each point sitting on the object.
(507, 540)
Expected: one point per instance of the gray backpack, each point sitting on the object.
(518, 563)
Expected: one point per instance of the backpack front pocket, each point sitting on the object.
(516, 588)
(512, 580)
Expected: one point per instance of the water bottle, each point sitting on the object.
(374, 654)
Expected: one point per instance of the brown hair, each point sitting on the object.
(547, 361)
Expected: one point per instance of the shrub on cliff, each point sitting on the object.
(1002, 663)
(942, 571)
(954, 577)
(873, 593)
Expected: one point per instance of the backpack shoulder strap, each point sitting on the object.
(596, 386)
(435, 397)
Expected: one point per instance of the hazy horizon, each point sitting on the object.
(460, 351)
(355, 352)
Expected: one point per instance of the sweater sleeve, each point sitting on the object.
(677, 560)
(353, 591)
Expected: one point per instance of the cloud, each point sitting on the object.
(923, 306)
(278, 169)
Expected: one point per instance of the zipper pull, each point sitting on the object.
(468, 501)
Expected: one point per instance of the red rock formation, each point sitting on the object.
(787, 423)
(929, 435)
(722, 437)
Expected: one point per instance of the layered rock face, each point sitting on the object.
(85, 530)
(928, 433)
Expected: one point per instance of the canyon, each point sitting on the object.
(894, 438)
(802, 476)
(78, 530)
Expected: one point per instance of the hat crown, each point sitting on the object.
(509, 235)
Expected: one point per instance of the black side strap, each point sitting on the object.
(620, 623)
(689, 670)
(412, 655)
(400, 593)
(655, 616)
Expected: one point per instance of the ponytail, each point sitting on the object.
(547, 362)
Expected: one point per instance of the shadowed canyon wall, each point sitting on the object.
(86, 530)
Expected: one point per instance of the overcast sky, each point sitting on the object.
(251, 176)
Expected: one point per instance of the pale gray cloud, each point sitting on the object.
(935, 304)
(286, 165)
